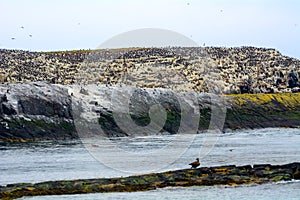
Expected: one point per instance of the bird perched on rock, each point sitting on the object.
(195, 164)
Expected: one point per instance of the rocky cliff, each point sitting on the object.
(35, 111)
(40, 111)
(263, 110)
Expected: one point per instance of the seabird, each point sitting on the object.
(22, 27)
(30, 35)
(195, 164)
(13, 38)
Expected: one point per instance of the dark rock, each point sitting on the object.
(31, 112)
(39, 111)
(225, 175)
(8, 109)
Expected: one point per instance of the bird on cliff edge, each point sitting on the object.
(195, 164)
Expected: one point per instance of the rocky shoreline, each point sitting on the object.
(41, 101)
(40, 111)
(37, 93)
(204, 176)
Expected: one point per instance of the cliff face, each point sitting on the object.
(39, 111)
(34, 111)
(263, 110)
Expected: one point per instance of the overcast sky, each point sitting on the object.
(69, 24)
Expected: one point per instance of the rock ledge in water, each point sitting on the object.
(205, 176)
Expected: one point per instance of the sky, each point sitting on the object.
(51, 25)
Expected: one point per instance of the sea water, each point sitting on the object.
(64, 160)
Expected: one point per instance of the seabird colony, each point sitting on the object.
(236, 70)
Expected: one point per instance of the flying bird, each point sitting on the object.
(13, 38)
(22, 27)
(30, 35)
(195, 164)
